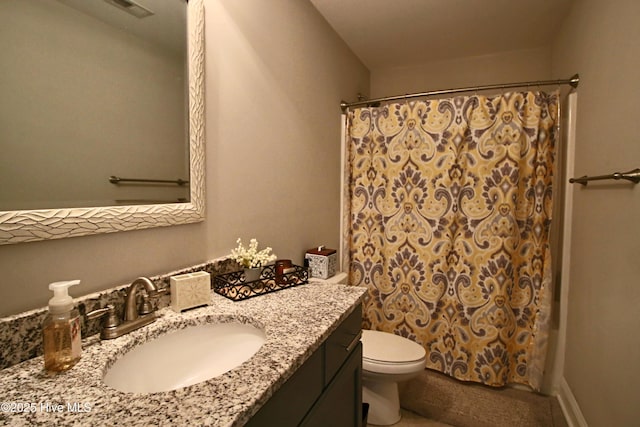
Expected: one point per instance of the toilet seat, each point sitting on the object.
(386, 353)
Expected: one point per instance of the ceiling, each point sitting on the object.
(397, 33)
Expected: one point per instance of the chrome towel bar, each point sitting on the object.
(118, 180)
(632, 175)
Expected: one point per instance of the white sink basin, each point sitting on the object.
(184, 357)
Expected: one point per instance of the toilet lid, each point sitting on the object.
(389, 348)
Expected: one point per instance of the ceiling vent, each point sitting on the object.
(131, 7)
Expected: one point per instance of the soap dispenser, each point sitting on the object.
(61, 329)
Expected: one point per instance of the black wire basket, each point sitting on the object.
(235, 287)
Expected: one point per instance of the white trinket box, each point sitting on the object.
(323, 262)
(190, 290)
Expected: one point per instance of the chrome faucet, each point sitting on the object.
(133, 319)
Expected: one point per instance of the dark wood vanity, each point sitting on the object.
(327, 389)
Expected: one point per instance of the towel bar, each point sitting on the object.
(632, 175)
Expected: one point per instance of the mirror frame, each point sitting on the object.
(45, 224)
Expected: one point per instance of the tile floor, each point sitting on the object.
(410, 419)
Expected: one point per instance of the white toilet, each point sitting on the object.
(387, 359)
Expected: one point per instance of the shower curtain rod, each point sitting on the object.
(573, 81)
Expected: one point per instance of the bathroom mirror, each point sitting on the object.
(126, 205)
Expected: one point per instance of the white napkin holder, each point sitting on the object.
(190, 290)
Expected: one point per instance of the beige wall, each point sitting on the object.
(601, 40)
(504, 67)
(275, 75)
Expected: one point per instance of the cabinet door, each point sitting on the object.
(288, 406)
(341, 403)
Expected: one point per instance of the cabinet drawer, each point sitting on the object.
(341, 343)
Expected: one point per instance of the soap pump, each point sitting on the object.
(61, 329)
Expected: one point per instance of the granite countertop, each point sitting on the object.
(296, 322)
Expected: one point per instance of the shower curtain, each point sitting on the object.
(448, 207)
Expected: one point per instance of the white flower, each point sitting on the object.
(250, 257)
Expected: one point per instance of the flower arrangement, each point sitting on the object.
(250, 257)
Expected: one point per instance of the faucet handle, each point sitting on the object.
(111, 321)
(150, 300)
(158, 293)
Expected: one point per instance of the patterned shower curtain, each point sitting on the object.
(449, 211)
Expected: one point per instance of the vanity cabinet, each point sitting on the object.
(327, 389)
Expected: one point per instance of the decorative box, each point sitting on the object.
(323, 262)
(190, 290)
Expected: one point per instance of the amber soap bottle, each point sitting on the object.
(61, 330)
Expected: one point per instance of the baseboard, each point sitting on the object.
(569, 404)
